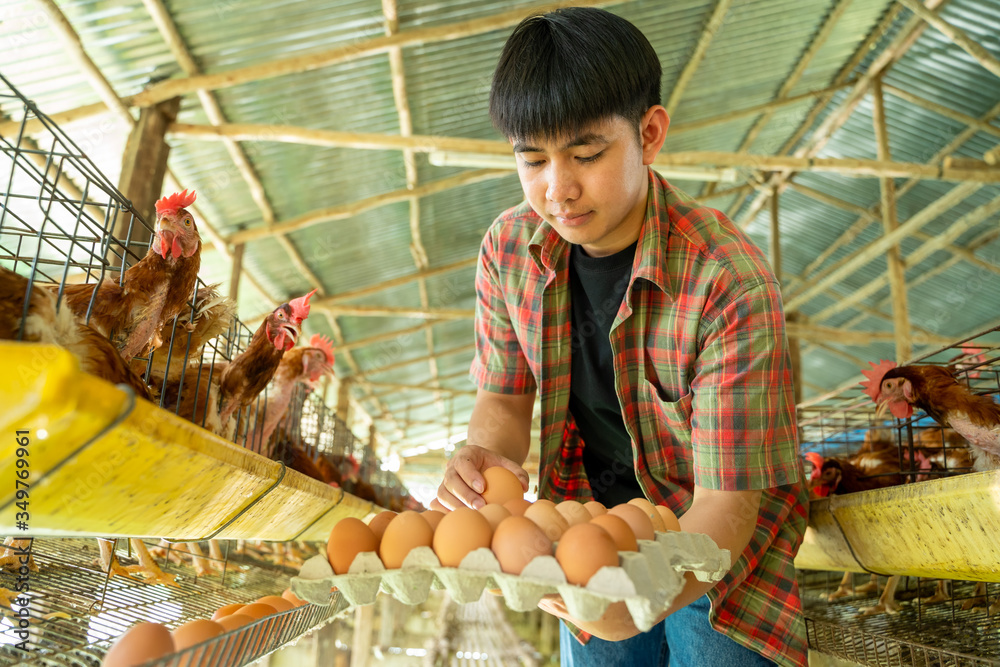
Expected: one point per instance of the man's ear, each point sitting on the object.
(653, 132)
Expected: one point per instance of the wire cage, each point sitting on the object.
(939, 622)
(848, 425)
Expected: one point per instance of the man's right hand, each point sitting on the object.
(463, 478)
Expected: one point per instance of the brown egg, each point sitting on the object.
(258, 610)
(637, 520)
(517, 507)
(595, 508)
(670, 521)
(494, 514)
(433, 517)
(462, 531)
(501, 486)
(573, 512)
(583, 550)
(650, 510)
(407, 531)
(293, 598)
(516, 541)
(195, 632)
(347, 539)
(619, 531)
(140, 644)
(234, 621)
(280, 604)
(547, 517)
(378, 524)
(228, 610)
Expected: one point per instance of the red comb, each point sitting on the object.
(817, 463)
(300, 306)
(175, 202)
(325, 344)
(874, 385)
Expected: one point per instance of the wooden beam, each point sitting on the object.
(712, 26)
(402, 311)
(895, 50)
(389, 336)
(362, 292)
(941, 110)
(815, 44)
(879, 246)
(955, 34)
(388, 368)
(852, 167)
(895, 268)
(237, 270)
(843, 336)
(956, 229)
(144, 166)
(349, 52)
(795, 355)
(345, 211)
(774, 240)
(416, 387)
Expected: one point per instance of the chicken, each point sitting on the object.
(211, 316)
(936, 391)
(49, 324)
(211, 395)
(329, 471)
(304, 365)
(293, 455)
(153, 291)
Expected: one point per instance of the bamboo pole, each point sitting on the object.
(896, 271)
(956, 229)
(879, 246)
(794, 76)
(348, 52)
(956, 35)
(237, 269)
(402, 311)
(388, 368)
(712, 26)
(774, 241)
(843, 336)
(416, 387)
(853, 167)
(345, 211)
(900, 44)
(942, 110)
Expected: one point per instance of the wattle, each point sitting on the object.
(901, 409)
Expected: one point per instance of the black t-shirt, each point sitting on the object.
(598, 286)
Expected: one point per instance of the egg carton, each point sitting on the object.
(647, 580)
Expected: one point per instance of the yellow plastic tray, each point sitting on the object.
(945, 528)
(103, 463)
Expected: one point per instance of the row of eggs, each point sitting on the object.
(149, 641)
(587, 536)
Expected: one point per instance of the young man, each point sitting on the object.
(654, 331)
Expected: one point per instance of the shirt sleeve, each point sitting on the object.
(499, 365)
(743, 429)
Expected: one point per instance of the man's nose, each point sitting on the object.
(563, 185)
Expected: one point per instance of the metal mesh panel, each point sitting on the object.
(76, 611)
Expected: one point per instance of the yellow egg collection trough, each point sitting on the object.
(104, 463)
(944, 528)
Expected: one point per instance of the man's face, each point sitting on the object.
(591, 187)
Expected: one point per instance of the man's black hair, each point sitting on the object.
(562, 71)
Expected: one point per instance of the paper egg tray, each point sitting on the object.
(647, 580)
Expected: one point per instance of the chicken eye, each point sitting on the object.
(187, 222)
(281, 315)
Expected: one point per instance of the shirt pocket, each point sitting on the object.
(661, 420)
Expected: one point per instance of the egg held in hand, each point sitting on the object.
(501, 486)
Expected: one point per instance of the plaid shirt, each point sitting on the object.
(701, 369)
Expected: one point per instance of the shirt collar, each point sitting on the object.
(549, 251)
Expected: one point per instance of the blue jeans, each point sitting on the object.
(684, 639)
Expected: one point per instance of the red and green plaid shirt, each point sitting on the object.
(702, 373)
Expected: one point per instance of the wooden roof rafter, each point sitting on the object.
(712, 26)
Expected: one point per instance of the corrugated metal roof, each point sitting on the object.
(746, 63)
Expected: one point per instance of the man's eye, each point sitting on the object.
(590, 158)
(529, 163)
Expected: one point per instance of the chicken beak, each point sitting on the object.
(166, 241)
(883, 407)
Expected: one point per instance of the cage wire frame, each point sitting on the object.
(58, 216)
(75, 613)
(838, 427)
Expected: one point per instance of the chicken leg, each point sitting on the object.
(147, 567)
(887, 601)
(10, 559)
(846, 590)
(941, 594)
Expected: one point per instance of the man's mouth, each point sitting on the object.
(572, 219)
